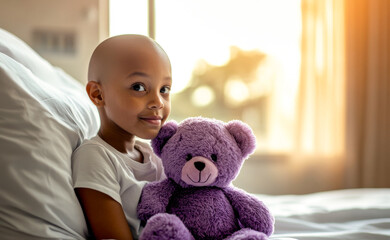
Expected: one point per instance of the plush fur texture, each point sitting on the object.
(201, 158)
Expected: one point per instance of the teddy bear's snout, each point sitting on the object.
(199, 171)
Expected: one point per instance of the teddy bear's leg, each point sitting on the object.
(247, 234)
(164, 226)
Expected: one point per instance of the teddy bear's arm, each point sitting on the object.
(154, 199)
(251, 212)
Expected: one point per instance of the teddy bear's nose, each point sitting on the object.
(199, 165)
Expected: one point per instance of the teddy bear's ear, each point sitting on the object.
(243, 135)
(165, 133)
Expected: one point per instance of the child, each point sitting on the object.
(129, 81)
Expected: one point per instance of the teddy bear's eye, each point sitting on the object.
(214, 157)
(188, 157)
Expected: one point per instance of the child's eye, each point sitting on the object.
(138, 87)
(165, 89)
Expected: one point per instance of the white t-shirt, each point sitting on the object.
(99, 166)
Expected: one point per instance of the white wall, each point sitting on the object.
(81, 17)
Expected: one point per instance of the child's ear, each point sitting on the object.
(95, 93)
(165, 133)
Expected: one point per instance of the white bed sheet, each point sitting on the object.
(342, 214)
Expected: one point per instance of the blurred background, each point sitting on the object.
(311, 77)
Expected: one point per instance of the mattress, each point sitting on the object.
(341, 214)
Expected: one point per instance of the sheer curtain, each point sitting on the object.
(320, 125)
(319, 154)
(344, 94)
(368, 95)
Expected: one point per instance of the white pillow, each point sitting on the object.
(44, 116)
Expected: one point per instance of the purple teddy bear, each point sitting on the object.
(201, 158)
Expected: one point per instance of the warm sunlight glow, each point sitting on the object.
(240, 56)
(201, 29)
(128, 17)
(237, 91)
(204, 31)
(202, 96)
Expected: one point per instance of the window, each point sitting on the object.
(231, 59)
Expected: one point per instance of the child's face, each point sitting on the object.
(136, 91)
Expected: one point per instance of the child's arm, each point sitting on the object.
(251, 212)
(104, 215)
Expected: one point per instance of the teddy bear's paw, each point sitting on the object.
(164, 226)
(248, 234)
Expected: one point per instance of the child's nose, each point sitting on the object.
(156, 102)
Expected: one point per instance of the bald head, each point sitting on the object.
(118, 50)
